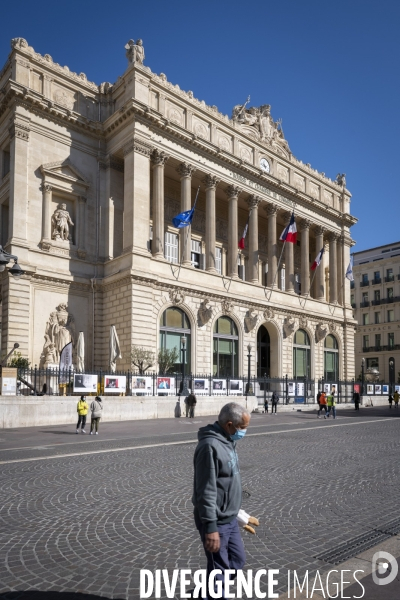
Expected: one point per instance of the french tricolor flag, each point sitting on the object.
(289, 234)
(241, 241)
(317, 261)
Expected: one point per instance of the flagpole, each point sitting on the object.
(276, 273)
(309, 291)
(185, 242)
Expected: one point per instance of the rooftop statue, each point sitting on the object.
(260, 120)
(135, 51)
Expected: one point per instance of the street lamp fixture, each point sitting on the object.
(183, 388)
(248, 370)
(5, 258)
(362, 375)
(4, 361)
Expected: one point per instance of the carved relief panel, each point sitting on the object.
(200, 128)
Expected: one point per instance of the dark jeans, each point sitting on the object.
(273, 406)
(94, 425)
(81, 421)
(321, 408)
(191, 412)
(356, 406)
(231, 554)
(333, 409)
(266, 407)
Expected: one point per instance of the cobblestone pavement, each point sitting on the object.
(80, 516)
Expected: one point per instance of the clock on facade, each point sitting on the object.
(264, 164)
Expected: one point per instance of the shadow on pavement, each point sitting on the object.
(40, 595)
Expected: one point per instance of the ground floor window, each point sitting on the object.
(225, 348)
(301, 355)
(331, 359)
(174, 324)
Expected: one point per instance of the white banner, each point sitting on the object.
(65, 362)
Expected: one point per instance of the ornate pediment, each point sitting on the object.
(64, 171)
(257, 123)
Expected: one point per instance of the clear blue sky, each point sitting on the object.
(329, 68)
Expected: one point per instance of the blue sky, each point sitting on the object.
(329, 68)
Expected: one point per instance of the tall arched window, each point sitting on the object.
(263, 352)
(331, 359)
(301, 354)
(174, 324)
(225, 354)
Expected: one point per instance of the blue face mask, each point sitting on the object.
(239, 434)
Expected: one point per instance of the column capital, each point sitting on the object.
(159, 157)
(318, 230)
(185, 170)
(232, 191)
(46, 187)
(210, 181)
(333, 236)
(253, 201)
(271, 209)
(286, 217)
(304, 224)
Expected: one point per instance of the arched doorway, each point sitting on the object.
(174, 324)
(263, 352)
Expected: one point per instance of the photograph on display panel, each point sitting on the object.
(219, 385)
(85, 383)
(142, 384)
(115, 383)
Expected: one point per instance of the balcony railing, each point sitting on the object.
(389, 278)
(376, 302)
(364, 304)
(364, 283)
(352, 284)
(353, 305)
(375, 281)
(388, 348)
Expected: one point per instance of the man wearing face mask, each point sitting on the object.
(217, 490)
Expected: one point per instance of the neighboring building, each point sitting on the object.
(91, 179)
(375, 297)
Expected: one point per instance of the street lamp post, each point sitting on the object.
(391, 374)
(248, 370)
(184, 388)
(362, 375)
(5, 258)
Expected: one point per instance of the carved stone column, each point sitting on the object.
(340, 269)
(253, 203)
(305, 256)
(46, 214)
(80, 230)
(333, 268)
(319, 275)
(272, 211)
(185, 171)
(210, 182)
(233, 192)
(159, 160)
(289, 261)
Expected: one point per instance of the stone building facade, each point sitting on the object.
(91, 178)
(375, 297)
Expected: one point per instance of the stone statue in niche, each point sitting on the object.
(60, 223)
(135, 52)
(60, 330)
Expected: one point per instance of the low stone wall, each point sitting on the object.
(33, 411)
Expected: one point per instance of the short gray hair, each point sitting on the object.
(232, 412)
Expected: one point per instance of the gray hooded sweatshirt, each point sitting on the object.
(217, 489)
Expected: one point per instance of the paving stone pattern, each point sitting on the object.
(88, 524)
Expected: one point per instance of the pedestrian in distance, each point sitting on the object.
(217, 491)
(191, 403)
(396, 397)
(266, 404)
(390, 401)
(356, 398)
(186, 406)
(82, 409)
(96, 409)
(331, 406)
(274, 401)
(322, 404)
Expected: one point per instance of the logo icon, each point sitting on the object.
(385, 564)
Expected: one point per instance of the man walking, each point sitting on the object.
(274, 401)
(331, 406)
(191, 403)
(217, 489)
(356, 398)
(82, 409)
(396, 397)
(322, 404)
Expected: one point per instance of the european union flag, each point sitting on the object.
(183, 219)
